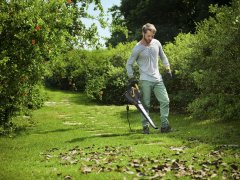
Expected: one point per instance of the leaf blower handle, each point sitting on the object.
(132, 81)
(136, 86)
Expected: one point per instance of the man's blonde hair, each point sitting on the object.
(149, 27)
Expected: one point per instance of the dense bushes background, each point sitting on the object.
(207, 64)
(205, 68)
(37, 45)
(216, 64)
(100, 73)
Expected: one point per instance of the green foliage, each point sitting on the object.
(119, 31)
(31, 34)
(67, 72)
(206, 64)
(215, 106)
(170, 17)
(115, 86)
(100, 73)
(107, 82)
(216, 70)
(182, 89)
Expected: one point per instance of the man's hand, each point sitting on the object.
(169, 72)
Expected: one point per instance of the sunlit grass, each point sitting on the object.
(69, 123)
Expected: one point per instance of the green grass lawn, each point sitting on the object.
(73, 138)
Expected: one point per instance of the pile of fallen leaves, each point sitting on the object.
(122, 159)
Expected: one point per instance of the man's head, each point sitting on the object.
(148, 32)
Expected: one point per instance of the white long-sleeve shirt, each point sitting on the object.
(147, 60)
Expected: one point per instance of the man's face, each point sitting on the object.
(148, 36)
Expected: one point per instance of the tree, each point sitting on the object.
(32, 33)
(170, 17)
(118, 28)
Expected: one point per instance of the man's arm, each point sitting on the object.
(164, 58)
(130, 62)
(165, 61)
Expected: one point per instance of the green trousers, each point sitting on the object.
(160, 92)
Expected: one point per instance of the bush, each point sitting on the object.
(206, 66)
(107, 82)
(31, 34)
(67, 72)
(217, 63)
(181, 88)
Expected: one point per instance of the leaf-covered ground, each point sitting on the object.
(94, 159)
(72, 138)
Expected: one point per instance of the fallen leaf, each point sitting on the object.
(129, 172)
(74, 162)
(140, 174)
(213, 175)
(157, 175)
(86, 169)
(177, 148)
(234, 166)
(175, 166)
(67, 177)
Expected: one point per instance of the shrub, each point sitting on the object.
(107, 82)
(31, 34)
(216, 64)
(181, 88)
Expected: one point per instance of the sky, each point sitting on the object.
(106, 4)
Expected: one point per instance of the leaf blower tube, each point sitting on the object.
(133, 96)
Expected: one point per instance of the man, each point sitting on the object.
(146, 53)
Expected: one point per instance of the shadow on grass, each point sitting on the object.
(56, 131)
(110, 135)
(207, 131)
(188, 129)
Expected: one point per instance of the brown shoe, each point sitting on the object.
(166, 129)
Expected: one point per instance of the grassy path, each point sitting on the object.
(72, 138)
